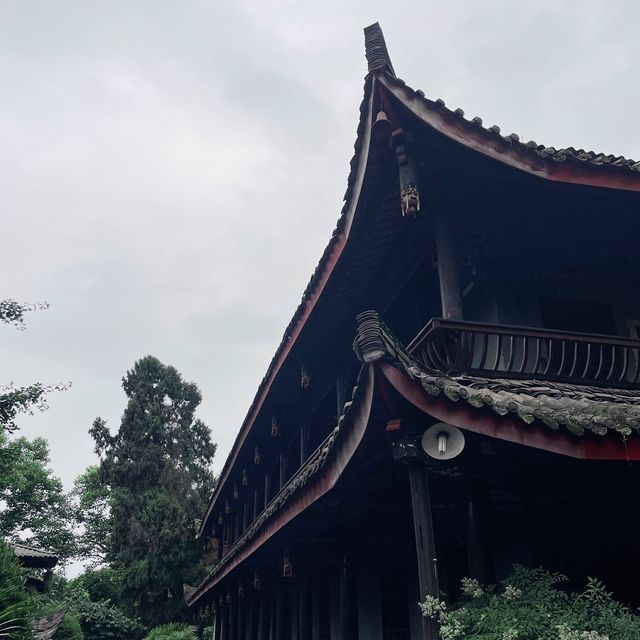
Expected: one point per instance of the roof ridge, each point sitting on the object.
(375, 49)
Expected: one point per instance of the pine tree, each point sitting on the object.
(158, 469)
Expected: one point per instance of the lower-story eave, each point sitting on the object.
(313, 480)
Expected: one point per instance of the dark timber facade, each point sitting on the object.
(472, 279)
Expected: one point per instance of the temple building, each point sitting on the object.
(458, 391)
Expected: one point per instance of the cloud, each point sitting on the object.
(172, 171)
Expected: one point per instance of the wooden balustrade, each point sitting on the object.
(522, 352)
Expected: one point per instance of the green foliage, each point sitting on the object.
(15, 605)
(101, 585)
(35, 509)
(69, 628)
(98, 620)
(158, 469)
(16, 400)
(173, 631)
(533, 605)
(92, 510)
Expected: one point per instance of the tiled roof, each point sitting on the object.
(24, 552)
(576, 408)
(380, 63)
(45, 628)
(542, 151)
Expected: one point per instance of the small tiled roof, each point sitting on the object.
(576, 408)
(45, 628)
(33, 556)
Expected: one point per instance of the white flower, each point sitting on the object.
(565, 633)
(471, 588)
(511, 592)
(432, 607)
(510, 634)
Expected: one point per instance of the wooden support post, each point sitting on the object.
(304, 609)
(341, 395)
(282, 462)
(262, 610)
(231, 628)
(348, 626)
(240, 621)
(255, 504)
(304, 434)
(448, 273)
(245, 516)
(272, 620)
(280, 595)
(249, 620)
(266, 490)
(476, 544)
(218, 624)
(425, 543)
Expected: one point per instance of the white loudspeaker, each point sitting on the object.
(442, 441)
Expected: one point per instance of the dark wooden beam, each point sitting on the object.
(476, 537)
(282, 469)
(262, 611)
(348, 611)
(425, 543)
(217, 624)
(304, 609)
(280, 595)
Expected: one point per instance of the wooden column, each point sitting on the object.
(266, 490)
(249, 620)
(282, 466)
(448, 271)
(348, 625)
(262, 606)
(231, 628)
(255, 504)
(476, 544)
(218, 624)
(425, 543)
(304, 610)
(240, 621)
(304, 435)
(279, 626)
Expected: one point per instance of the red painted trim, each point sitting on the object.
(508, 428)
(490, 145)
(320, 485)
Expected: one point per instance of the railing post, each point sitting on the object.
(450, 291)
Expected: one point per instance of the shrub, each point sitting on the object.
(173, 631)
(69, 629)
(533, 605)
(15, 604)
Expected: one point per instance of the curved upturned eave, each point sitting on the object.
(348, 436)
(319, 280)
(509, 152)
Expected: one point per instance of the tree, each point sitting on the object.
(158, 468)
(15, 400)
(90, 497)
(15, 606)
(35, 509)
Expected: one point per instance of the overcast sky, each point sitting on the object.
(171, 171)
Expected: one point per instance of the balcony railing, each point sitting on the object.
(521, 352)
